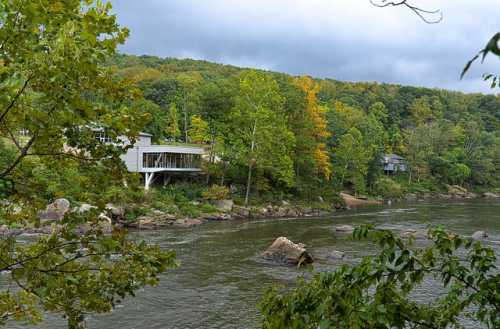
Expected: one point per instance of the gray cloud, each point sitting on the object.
(340, 39)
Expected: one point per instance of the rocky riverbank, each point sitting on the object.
(454, 192)
(226, 210)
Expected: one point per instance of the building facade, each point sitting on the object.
(152, 160)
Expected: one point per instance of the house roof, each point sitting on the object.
(145, 134)
(393, 156)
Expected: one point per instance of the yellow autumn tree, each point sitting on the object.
(316, 114)
(198, 133)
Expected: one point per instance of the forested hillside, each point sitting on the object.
(303, 137)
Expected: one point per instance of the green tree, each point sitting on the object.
(379, 292)
(263, 141)
(55, 89)
(351, 160)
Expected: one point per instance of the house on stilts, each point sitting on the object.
(156, 161)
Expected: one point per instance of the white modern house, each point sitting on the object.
(153, 160)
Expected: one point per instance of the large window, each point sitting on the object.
(171, 161)
(102, 137)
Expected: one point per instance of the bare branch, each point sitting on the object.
(422, 13)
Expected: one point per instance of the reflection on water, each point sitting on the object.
(221, 277)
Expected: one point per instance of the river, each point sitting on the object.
(222, 277)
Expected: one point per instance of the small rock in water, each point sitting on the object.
(344, 228)
(479, 235)
(336, 255)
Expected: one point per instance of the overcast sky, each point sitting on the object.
(341, 39)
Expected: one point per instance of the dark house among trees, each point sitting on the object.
(394, 163)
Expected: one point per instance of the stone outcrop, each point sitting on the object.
(284, 251)
(490, 195)
(55, 211)
(241, 212)
(353, 202)
(457, 191)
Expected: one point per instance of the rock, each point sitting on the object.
(281, 212)
(223, 205)
(116, 211)
(411, 197)
(490, 195)
(4, 230)
(479, 235)
(286, 252)
(344, 228)
(352, 202)
(55, 211)
(241, 212)
(285, 203)
(418, 235)
(187, 222)
(460, 192)
(85, 207)
(103, 217)
(336, 255)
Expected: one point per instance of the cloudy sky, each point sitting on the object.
(342, 39)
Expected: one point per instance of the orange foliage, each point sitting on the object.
(323, 160)
(317, 117)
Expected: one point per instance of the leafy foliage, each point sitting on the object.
(55, 95)
(378, 293)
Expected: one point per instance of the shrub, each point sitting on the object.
(216, 192)
(388, 188)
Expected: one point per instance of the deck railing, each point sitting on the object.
(164, 160)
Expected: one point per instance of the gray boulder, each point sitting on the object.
(479, 235)
(286, 252)
(241, 212)
(490, 195)
(55, 211)
(223, 205)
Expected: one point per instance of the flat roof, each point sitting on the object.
(171, 149)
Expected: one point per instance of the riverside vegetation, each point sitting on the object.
(270, 137)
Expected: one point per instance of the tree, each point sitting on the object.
(262, 141)
(55, 89)
(198, 133)
(351, 160)
(172, 129)
(379, 291)
(318, 132)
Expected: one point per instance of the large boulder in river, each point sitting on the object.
(285, 251)
(479, 235)
(55, 211)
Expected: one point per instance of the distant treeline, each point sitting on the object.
(304, 137)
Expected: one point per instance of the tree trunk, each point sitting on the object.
(250, 165)
(185, 120)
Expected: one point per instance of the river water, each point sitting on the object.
(222, 277)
